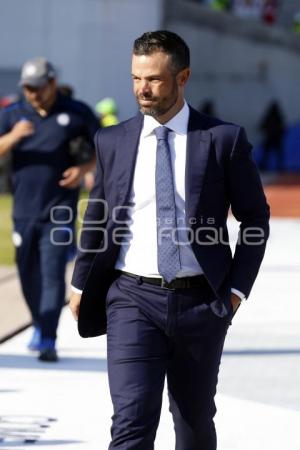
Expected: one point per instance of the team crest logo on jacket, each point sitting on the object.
(63, 119)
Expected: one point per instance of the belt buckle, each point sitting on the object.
(165, 285)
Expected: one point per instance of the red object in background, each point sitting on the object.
(7, 100)
(270, 11)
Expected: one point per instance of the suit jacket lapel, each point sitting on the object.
(198, 146)
(127, 148)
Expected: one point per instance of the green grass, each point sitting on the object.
(7, 253)
(6, 245)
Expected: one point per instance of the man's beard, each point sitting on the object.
(162, 108)
(158, 111)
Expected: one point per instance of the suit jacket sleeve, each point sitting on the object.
(93, 229)
(249, 206)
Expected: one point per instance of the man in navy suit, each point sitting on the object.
(155, 268)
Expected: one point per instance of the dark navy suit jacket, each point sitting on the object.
(220, 174)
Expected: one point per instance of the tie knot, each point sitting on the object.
(161, 133)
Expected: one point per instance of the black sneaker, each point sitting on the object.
(48, 355)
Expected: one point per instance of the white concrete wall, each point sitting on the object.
(89, 41)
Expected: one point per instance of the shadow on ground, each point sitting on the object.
(65, 363)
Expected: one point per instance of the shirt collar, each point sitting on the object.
(178, 123)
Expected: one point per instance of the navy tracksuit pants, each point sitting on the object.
(155, 333)
(41, 256)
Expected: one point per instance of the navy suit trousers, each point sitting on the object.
(154, 333)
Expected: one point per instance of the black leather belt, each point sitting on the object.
(178, 283)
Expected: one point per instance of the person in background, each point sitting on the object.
(38, 132)
(272, 127)
(270, 12)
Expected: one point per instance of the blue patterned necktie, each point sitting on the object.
(168, 257)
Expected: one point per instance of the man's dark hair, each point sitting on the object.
(167, 42)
